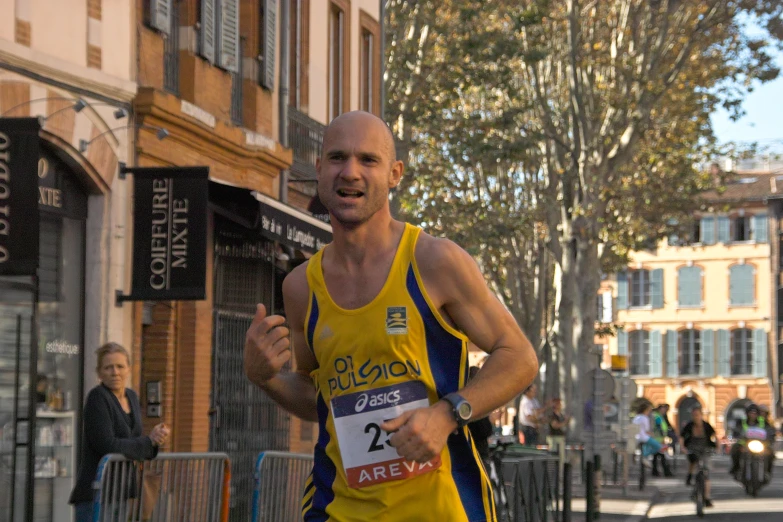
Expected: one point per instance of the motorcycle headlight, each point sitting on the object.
(756, 446)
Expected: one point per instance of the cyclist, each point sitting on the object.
(698, 437)
(650, 446)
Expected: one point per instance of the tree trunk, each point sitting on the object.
(563, 325)
(588, 280)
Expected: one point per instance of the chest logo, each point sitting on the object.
(396, 320)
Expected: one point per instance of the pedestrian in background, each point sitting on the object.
(558, 427)
(661, 430)
(530, 412)
(112, 424)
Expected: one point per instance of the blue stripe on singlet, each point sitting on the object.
(444, 354)
(312, 322)
(324, 470)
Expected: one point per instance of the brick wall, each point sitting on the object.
(158, 363)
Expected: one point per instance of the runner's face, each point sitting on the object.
(356, 170)
(696, 416)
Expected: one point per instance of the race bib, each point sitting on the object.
(367, 454)
(756, 433)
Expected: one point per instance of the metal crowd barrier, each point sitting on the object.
(280, 482)
(533, 486)
(174, 487)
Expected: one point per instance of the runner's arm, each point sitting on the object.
(294, 390)
(456, 285)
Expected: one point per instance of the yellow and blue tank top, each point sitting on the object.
(393, 354)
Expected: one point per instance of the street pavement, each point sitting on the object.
(668, 499)
(674, 504)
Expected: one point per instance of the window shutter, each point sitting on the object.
(160, 15)
(268, 73)
(760, 233)
(622, 291)
(708, 230)
(656, 357)
(689, 286)
(741, 285)
(759, 352)
(607, 307)
(622, 342)
(656, 287)
(723, 229)
(672, 354)
(707, 353)
(229, 35)
(724, 354)
(207, 31)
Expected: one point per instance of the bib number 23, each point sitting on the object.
(365, 449)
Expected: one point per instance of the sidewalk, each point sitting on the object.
(633, 506)
(615, 506)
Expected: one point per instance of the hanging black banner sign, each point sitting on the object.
(169, 234)
(19, 151)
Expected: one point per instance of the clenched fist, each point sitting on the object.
(266, 346)
(419, 435)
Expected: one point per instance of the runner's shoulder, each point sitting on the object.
(435, 254)
(296, 290)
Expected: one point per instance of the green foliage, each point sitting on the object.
(535, 124)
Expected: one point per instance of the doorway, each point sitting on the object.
(684, 411)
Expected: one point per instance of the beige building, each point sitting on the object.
(335, 68)
(71, 64)
(698, 315)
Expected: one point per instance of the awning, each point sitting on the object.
(290, 226)
(268, 217)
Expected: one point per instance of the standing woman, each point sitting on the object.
(112, 424)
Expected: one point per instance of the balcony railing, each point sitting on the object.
(306, 138)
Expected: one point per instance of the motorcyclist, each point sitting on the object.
(753, 420)
(771, 433)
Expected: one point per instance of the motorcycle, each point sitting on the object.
(752, 471)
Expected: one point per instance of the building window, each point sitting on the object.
(369, 64)
(338, 57)
(640, 288)
(690, 352)
(299, 53)
(639, 345)
(742, 352)
(689, 286)
(603, 310)
(742, 229)
(366, 80)
(742, 285)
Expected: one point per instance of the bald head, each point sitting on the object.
(366, 122)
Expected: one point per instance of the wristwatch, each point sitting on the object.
(460, 407)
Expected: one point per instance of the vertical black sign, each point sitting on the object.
(169, 233)
(19, 150)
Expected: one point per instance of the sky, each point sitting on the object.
(763, 122)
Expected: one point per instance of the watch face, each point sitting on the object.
(464, 410)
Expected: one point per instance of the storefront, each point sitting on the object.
(52, 340)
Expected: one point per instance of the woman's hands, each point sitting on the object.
(160, 434)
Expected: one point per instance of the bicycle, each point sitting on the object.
(699, 494)
(497, 450)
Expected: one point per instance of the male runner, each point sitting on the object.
(380, 321)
